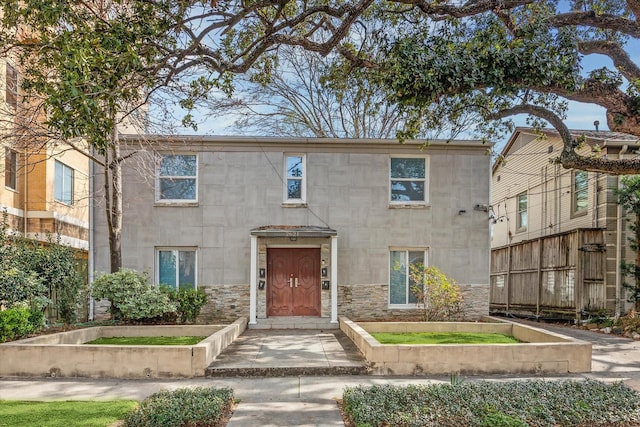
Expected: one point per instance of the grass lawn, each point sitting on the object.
(147, 340)
(442, 338)
(15, 413)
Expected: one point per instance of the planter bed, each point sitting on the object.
(540, 352)
(65, 354)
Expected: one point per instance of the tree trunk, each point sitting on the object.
(636, 268)
(113, 202)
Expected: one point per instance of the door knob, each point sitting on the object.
(296, 282)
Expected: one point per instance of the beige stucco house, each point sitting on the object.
(297, 228)
(558, 235)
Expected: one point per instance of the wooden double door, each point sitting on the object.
(293, 282)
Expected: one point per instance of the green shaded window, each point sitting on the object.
(521, 217)
(408, 179)
(580, 191)
(400, 282)
(177, 268)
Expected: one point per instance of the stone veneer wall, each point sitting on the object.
(225, 303)
(369, 302)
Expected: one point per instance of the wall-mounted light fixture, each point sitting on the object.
(462, 212)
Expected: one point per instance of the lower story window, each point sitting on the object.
(177, 268)
(400, 281)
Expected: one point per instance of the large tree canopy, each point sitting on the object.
(498, 57)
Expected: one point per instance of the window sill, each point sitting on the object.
(579, 213)
(178, 204)
(13, 190)
(60, 202)
(413, 306)
(294, 205)
(409, 205)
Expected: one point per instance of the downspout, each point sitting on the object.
(25, 203)
(91, 261)
(619, 226)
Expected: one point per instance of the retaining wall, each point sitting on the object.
(65, 354)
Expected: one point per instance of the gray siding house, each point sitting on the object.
(310, 228)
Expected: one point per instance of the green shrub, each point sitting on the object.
(18, 286)
(198, 406)
(132, 297)
(17, 322)
(533, 403)
(188, 302)
(439, 295)
(40, 274)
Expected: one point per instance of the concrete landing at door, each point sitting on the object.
(290, 352)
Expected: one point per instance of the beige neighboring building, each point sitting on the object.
(45, 189)
(558, 235)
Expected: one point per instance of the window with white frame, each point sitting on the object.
(401, 262)
(11, 86)
(408, 180)
(295, 190)
(10, 169)
(580, 195)
(521, 213)
(176, 267)
(63, 183)
(177, 178)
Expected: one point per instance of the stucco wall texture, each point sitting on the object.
(240, 187)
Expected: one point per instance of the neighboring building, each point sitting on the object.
(274, 227)
(558, 235)
(46, 187)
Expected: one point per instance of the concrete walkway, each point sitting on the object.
(307, 400)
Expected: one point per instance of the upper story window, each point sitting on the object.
(295, 190)
(10, 169)
(11, 87)
(400, 269)
(408, 176)
(579, 192)
(176, 267)
(177, 178)
(521, 213)
(63, 183)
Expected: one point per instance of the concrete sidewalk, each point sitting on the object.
(309, 400)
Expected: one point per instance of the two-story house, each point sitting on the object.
(298, 228)
(558, 235)
(46, 186)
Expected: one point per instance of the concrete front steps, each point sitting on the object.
(294, 322)
(289, 352)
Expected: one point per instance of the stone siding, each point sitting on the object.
(370, 302)
(225, 303)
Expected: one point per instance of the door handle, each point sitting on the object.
(296, 282)
(291, 282)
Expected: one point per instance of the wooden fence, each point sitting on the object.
(560, 275)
